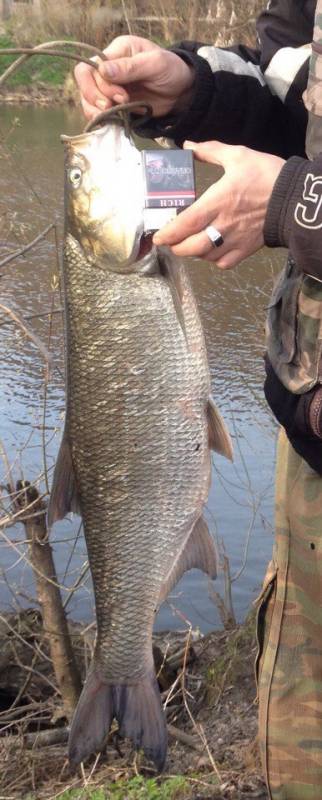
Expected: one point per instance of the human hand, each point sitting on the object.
(236, 205)
(136, 69)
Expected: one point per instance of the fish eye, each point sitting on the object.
(75, 176)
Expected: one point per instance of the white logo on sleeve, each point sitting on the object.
(309, 213)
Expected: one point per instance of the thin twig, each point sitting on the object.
(28, 246)
(26, 328)
(198, 728)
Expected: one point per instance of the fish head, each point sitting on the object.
(104, 196)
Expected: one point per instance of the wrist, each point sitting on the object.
(280, 211)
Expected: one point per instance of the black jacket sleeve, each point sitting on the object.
(250, 96)
(232, 108)
(294, 216)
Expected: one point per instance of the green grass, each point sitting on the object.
(177, 788)
(38, 69)
(135, 789)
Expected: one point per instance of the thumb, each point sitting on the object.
(211, 152)
(130, 69)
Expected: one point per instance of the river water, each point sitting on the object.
(240, 507)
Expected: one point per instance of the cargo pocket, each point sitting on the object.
(309, 330)
(294, 329)
(282, 315)
(265, 607)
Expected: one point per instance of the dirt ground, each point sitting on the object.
(208, 687)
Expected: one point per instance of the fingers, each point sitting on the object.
(129, 69)
(227, 261)
(197, 246)
(128, 46)
(111, 91)
(89, 110)
(195, 218)
(120, 46)
(215, 152)
(103, 87)
(96, 94)
(143, 66)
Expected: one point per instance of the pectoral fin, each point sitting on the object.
(63, 496)
(199, 552)
(219, 436)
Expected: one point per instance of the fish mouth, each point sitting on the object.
(145, 246)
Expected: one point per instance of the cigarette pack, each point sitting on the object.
(169, 185)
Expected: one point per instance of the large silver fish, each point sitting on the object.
(135, 455)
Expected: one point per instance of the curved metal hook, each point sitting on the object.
(48, 49)
(121, 115)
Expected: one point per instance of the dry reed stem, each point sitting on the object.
(198, 728)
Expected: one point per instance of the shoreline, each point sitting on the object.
(40, 95)
(209, 691)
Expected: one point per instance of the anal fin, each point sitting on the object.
(63, 496)
(219, 436)
(199, 552)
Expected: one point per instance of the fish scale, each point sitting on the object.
(135, 455)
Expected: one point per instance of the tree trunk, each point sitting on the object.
(49, 597)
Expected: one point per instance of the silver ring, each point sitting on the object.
(214, 236)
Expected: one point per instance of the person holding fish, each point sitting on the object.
(243, 109)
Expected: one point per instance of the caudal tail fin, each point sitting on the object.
(137, 709)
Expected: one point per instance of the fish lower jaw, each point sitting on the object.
(146, 245)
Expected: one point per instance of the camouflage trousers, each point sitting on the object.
(290, 636)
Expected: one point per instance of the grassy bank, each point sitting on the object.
(45, 70)
(40, 80)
